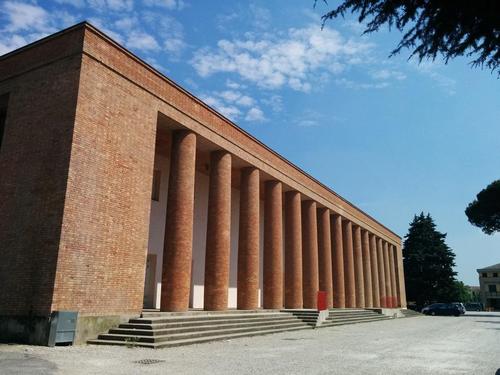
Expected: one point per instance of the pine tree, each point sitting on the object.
(428, 263)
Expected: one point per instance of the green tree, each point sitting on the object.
(484, 211)
(434, 27)
(461, 293)
(428, 263)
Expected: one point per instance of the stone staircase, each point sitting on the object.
(161, 330)
(339, 317)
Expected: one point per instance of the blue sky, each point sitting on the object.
(392, 136)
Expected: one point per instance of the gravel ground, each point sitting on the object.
(425, 345)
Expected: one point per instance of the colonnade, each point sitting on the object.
(322, 250)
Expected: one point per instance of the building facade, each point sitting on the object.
(489, 285)
(121, 190)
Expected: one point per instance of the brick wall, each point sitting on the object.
(105, 228)
(42, 83)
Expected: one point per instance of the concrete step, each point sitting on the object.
(199, 340)
(156, 331)
(201, 318)
(356, 321)
(183, 314)
(196, 334)
(198, 323)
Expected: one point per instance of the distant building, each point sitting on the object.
(489, 283)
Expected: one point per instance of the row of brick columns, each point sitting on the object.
(321, 251)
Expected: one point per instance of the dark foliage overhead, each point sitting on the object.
(449, 28)
(484, 211)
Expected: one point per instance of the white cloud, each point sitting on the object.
(11, 43)
(431, 70)
(386, 74)
(261, 17)
(275, 102)
(290, 60)
(230, 111)
(24, 16)
(361, 85)
(255, 114)
(75, 3)
(169, 31)
(114, 5)
(169, 4)
(142, 41)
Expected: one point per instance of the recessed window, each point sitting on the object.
(155, 193)
(484, 274)
(4, 99)
(495, 274)
(492, 288)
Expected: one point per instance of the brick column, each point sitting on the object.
(338, 263)
(248, 241)
(374, 269)
(367, 271)
(381, 274)
(358, 268)
(310, 278)
(350, 282)
(293, 251)
(325, 255)
(400, 277)
(218, 232)
(387, 273)
(273, 246)
(178, 244)
(394, 295)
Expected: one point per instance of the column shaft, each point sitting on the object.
(310, 279)
(218, 232)
(293, 251)
(248, 242)
(367, 269)
(358, 268)
(387, 273)
(375, 274)
(381, 274)
(325, 255)
(394, 296)
(350, 283)
(178, 244)
(338, 263)
(400, 277)
(273, 246)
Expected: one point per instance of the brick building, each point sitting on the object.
(489, 287)
(102, 158)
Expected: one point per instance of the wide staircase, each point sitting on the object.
(161, 330)
(340, 317)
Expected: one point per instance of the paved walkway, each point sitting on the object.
(426, 345)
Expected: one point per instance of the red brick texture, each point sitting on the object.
(394, 296)
(273, 246)
(310, 274)
(248, 242)
(349, 277)
(387, 274)
(325, 255)
(293, 251)
(178, 244)
(42, 83)
(338, 263)
(367, 271)
(358, 268)
(381, 274)
(374, 271)
(218, 232)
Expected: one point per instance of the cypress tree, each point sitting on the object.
(428, 263)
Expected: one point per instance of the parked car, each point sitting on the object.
(474, 306)
(442, 309)
(460, 306)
